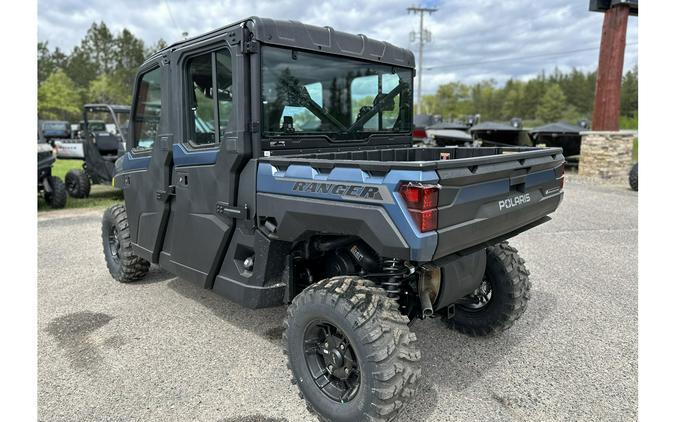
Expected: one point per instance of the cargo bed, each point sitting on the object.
(416, 158)
(484, 194)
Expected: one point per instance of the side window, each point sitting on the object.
(148, 110)
(209, 97)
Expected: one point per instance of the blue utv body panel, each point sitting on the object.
(422, 245)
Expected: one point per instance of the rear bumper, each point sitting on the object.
(478, 231)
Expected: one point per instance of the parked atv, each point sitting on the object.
(281, 170)
(50, 187)
(100, 147)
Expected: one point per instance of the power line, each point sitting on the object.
(508, 59)
(168, 8)
(423, 35)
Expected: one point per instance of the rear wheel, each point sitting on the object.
(77, 183)
(633, 177)
(500, 299)
(350, 351)
(123, 265)
(57, 197)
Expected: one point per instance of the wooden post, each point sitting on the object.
(607, 107)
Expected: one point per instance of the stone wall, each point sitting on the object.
(606, 155)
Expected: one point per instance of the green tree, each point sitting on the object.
(59, 97)
(553, 104)
(108, 89)
(629, 93)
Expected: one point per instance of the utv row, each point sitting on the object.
(97, 146)
(272, 162)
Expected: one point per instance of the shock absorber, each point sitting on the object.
(397, 272)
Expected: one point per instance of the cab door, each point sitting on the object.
(146, 167)
(206, 167)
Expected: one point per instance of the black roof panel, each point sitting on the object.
(325, 39)
(493, 126)
(559, 127)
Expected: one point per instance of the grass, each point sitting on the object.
(635, 150)
(101, 195)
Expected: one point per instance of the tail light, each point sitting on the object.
(419, 133)
(422, 203)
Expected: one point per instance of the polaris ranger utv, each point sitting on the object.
(272, 162)
(100, 147)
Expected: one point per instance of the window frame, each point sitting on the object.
(188, 92)
(132, 118)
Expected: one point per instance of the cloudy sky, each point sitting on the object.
(471, 39)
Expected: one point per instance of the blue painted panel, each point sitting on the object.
(185, 157)
(422, 245)
(129, 162)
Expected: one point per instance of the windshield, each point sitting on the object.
(102, 121)
(96, 125)
(55, 126)
(313, 94)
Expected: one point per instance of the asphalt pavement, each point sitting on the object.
(165, 350)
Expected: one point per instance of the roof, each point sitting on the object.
(559, 127)
(295, 34)
(494, 126)
(449, 134)
(107, 107)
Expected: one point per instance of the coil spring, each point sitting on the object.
(397, 272)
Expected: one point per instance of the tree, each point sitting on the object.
(108, 89)
(629, 93)
(59, 97)
(159, 45)
(553, 104)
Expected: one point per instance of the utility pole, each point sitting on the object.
(606, 110)
(423, 36)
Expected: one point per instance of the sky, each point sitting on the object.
(472, 40)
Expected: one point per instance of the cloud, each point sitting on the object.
(471, 40)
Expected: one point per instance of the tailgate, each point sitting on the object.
(481, 202)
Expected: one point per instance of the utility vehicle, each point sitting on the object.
(103, 139)
(272, 162)
(50, 187)
(53, 129)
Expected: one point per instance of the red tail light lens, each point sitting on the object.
(419, 133)
(418, 196)
(426, 220)
(422, 202)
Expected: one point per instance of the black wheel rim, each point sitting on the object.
(114, 243)
(479, 299)
(331, 361)
(71, 185)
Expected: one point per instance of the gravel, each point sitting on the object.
(163, 349)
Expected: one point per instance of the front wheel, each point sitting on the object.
(123, 265)
(56, 197)
(500, 299)
(77, 183)
(350, 351)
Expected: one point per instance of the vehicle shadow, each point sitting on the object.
(453, 361)
(265, 322)
(154, 275)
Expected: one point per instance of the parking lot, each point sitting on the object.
(165, 350)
